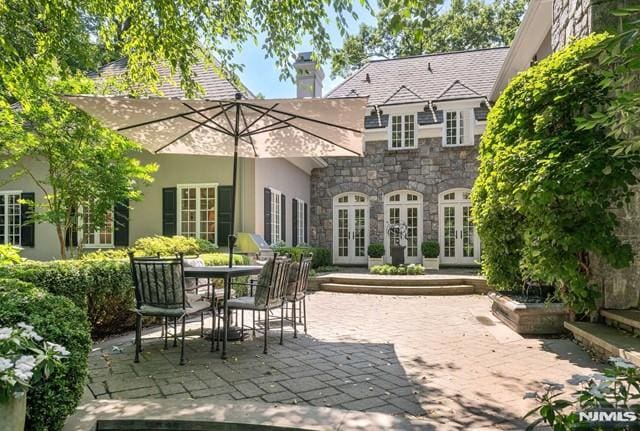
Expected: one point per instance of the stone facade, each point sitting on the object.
(429, 169)
(571, 18)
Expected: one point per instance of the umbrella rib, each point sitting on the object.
(170, 117)
(266, 129)
(301, 117)
(209, 126)
(257, 119)
(228, 119)
(304, 131)
(198, 124)
(210, 119)
(244, 119)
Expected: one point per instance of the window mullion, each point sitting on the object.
(197, 215)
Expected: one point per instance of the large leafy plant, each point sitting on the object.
(546, 186)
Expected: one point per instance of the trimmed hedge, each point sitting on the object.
(375, 250)
(321, 256)
(58, 320)
(103, 288)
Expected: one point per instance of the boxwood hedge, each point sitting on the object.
(58, 320)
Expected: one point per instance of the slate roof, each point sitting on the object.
(214, 86)
(443, 76)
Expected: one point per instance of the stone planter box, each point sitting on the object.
(13, 413)
(529, 319)
(375, 261)
(432, 263)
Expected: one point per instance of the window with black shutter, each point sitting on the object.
(169, 211)
(121, 224)
(225, 224)
(294, 222)
(27, 227)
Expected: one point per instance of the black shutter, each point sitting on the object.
(283, 218)
(28, 229)
(72, 233)
(267, 215)
(306, 224)
(169, 211)
(225, 200)
(121, 224)
(294, 224)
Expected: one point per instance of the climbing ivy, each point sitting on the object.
(542, 201)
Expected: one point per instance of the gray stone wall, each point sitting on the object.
(571, 18)
(429, 169)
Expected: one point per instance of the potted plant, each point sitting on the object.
(375, 252)
(431, 255)
(397, 232)
(24, 358)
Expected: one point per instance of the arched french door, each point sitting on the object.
(404, 207)
(459, 241)
(350, 228)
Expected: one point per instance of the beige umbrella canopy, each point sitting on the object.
(242, 128)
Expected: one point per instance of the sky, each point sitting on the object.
(261, 75)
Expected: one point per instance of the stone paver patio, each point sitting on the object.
(441, 360)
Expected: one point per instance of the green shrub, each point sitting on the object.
(321, 256)
(103, 288)
(397, 270)
(430, 249)
(153, 245)
(375, 250)
(214, 259)
(546, 185)
(58, 320)
(9, 255)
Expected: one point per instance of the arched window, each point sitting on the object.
(459, 242)
(404, 207)
(350, 228)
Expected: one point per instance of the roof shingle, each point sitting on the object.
(425, 77)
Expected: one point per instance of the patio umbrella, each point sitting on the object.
(239, 127)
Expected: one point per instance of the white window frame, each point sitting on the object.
(276, 216)
(468, 126)
(197, 186)
(5, 238)
(94, 236)
(404, 143)
(301, 226)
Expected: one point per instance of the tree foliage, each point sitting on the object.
(543, 197)
(79, 34)
(73, 161)
(417, 27)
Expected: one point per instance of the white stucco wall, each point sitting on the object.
(288, 179)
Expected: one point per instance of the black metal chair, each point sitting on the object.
(160, 292)
(297, 290)
(270, 291)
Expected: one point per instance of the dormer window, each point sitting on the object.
(403, 131)
(457, 128)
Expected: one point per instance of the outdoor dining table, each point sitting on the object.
(227, 274)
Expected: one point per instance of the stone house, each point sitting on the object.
(426, 115)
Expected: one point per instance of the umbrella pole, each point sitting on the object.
(232, 237)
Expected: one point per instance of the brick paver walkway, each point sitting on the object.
(445, 360)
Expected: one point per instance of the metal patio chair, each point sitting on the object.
(270, 290)
(297, 290)
(160, 292)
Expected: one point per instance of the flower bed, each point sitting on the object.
(398, 270)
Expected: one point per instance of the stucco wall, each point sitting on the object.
(429, 169)
(146, 216)
(288, 179)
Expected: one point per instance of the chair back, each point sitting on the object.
(159, 282)
(279, 279)
(302, 282)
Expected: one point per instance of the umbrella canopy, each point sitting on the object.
(238, 128)
(265, 128)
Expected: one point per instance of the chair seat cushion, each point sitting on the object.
(295, 296)
(249, 303)
(197, 305)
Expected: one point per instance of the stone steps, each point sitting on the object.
(437, 289)
(627, 320)
(606, 341)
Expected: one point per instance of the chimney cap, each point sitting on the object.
(304, 57)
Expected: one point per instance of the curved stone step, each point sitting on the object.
(606, 341)
(451, 289)
(627, 320)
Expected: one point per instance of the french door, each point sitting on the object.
(404, 208)
(459, 242)
(351, 229)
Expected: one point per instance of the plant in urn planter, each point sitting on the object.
(431, 255)
(375, 252)
(397, 233)
(24, 358)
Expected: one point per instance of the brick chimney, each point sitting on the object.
(308, 76)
